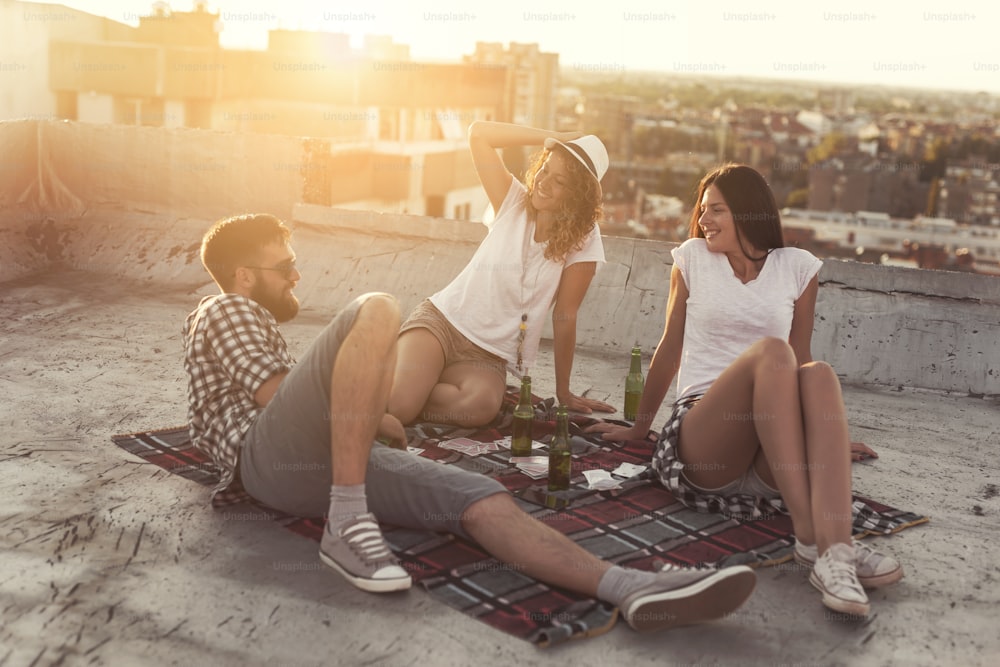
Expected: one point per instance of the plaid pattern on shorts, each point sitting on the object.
(744, 507)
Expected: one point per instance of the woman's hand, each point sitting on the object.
(860, 451)
(391, 432)
(616, 432)
(584, 405)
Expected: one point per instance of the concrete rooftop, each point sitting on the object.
(107, 560)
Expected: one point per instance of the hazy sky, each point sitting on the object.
(952, 45)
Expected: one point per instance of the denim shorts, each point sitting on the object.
(747, 494)
(749, 483)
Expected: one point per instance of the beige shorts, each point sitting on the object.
(456, 347)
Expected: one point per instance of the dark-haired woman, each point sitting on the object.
(757, 424)
(542, 251)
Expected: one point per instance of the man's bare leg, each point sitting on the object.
(648, 600)
(362, 374)
(359, 387)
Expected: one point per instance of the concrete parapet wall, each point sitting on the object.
(912, 327)
(875, 325)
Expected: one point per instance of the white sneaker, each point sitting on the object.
(834, 576)
(874, 569)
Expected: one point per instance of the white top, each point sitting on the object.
(725, 316)
(508, 276)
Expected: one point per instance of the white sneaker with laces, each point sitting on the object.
(834, 576)
(874, 568)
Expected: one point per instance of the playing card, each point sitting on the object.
(465, 446)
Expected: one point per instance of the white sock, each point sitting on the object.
(346, 502)
(620, 582)
(806, 549)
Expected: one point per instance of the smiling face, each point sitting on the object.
(716, 222)
(551, 184)
(736, 213)
(274, 278)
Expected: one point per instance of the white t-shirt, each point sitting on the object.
(725, 316)
(508, 276)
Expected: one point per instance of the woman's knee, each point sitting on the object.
(488, 404)
(475, 407)
(475, 411)
(774, 355)
(817, 372)
(818, 382)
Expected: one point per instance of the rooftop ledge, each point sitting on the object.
(108, 199)
(112, 560)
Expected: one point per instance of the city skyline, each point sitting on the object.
(921, 45)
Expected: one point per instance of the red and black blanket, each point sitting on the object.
(638, 525)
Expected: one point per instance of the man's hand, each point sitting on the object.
(584, 405)
(860, 451)
(391, 432)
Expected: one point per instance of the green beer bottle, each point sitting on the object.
(560, 463)
(633, 385)
(524, 413)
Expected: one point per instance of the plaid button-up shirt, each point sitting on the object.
(231, 347)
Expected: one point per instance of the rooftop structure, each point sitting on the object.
(111, 561)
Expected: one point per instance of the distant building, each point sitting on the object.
(382, 47)
(532, 78)
(171, 72)
(610, 117)
(381, 131)
(858, 182)
(421, 178)
(26, 28)
(970, 193)
(931, 243)
(815, 121)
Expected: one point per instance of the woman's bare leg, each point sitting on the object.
(828, 451)
(468, 394)
(753, 406)
(419, 364)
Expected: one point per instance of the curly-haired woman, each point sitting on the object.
(542, 250)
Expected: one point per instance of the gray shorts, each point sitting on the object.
(749, 483)
(285, 458)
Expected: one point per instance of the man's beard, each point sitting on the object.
(283, 307)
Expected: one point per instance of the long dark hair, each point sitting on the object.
(749, 198)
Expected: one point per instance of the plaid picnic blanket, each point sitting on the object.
(638, 525)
